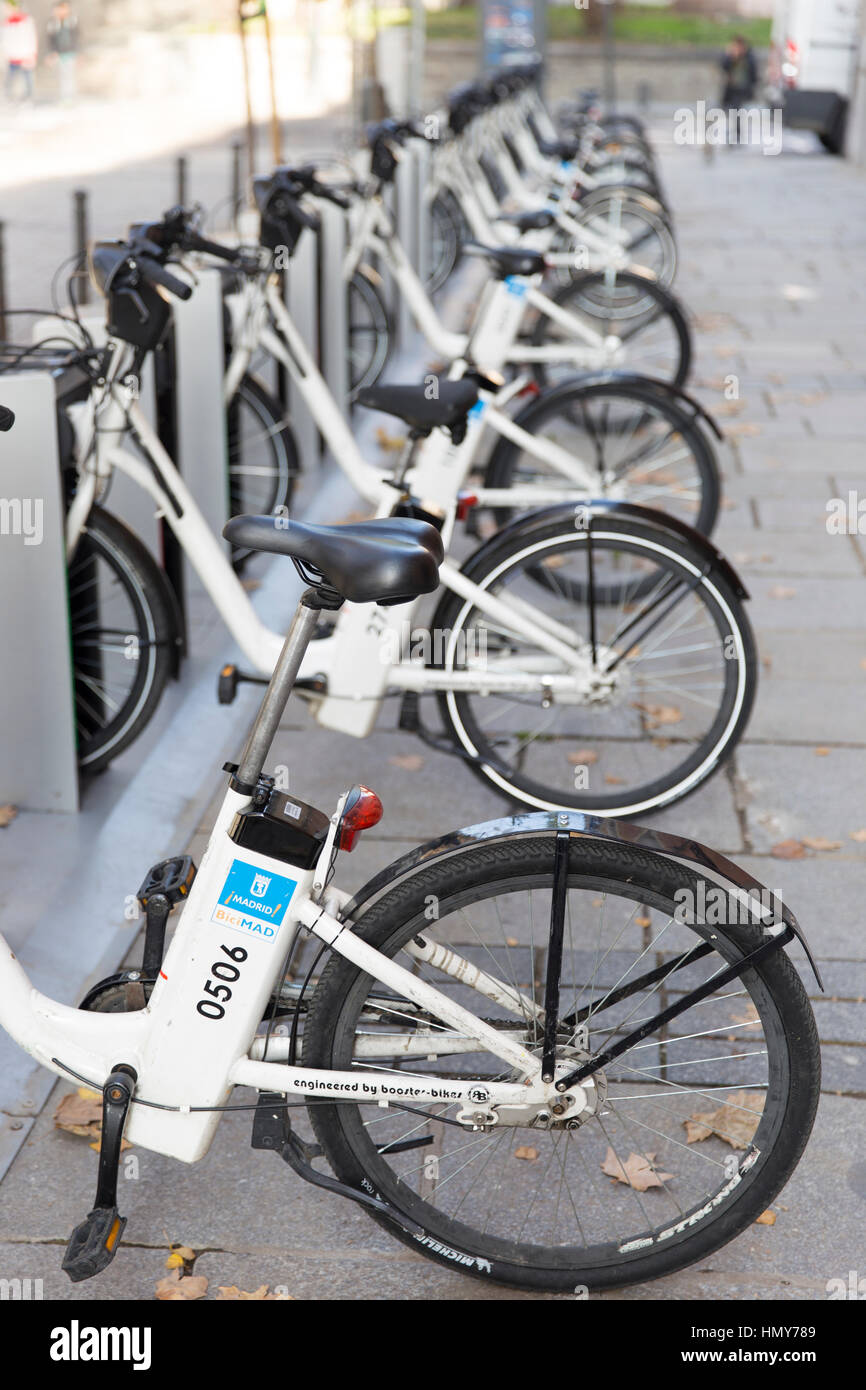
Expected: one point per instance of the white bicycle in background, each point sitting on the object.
(574, 627)
(482, 1077)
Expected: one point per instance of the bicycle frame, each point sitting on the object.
(368, 641)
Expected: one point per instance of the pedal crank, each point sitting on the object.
(93, 1245)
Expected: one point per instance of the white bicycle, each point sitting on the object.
(571, 629)
(511, 1018)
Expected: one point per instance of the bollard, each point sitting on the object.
(644, 95)
(3, 300)
(81, 282)
(181, 180)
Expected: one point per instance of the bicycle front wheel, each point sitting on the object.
(263, 458)
(691, 1132)
(668, 676)
(122, 633)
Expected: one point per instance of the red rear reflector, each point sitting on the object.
(363, 809)
(465, 502)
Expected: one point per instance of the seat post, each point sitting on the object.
(279, 689)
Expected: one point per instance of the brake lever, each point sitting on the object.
(137, 300)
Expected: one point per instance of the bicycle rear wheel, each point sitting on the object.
(263, 460)
(123, 638)
(368, 330)
(689, 1134)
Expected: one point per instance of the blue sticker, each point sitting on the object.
(515, 286)
(253, 901)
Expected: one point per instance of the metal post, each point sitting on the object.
(181, 180)
(251, 129)
(609, 57)
(3, 300)
(276, 149)
(237, 195)
(81, 283)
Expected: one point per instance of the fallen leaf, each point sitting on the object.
(637, 1171)
(181, 1288)
(642, 921)
(251, 585)
(409, 762)
(511, 941)
(582, 756)
(7, 814)
(736, 1126)
(789, 849)
(858, 835)
(822, 752)
(657, 715)
(389, 443)
(526, 1151)
(781, 591)
(179, 1256)
(820, 843)
(81, 1113)
(767, 1218)
(743, 430)
(613, 781)
(231, 1293)
(598, 902)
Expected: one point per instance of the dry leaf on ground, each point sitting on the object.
(7, 814)
(230, 1293)
(409, 762)
(390, 443)
(789, 849)
(819, 842)
(858, 835)
(181, 1288)
(781, 591)
(735, 1120)
(180, 1255)
(582, 756)
(822, 752)
(657, 715)
(767, 1218)
(637, 1171)
(81, 1113)
(526, 1151)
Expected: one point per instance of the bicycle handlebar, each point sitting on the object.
(193, 241)
(152, 270)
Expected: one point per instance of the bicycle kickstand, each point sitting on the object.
(93, 1245)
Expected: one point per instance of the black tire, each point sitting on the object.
(657, 341)
(610, 1236)
(263, 460)
(447, 234)
(651, 242)
(369, 330)
(622, 428)
(530, 747)
(123, 642)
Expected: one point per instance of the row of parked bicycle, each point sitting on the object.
(596, 610)
(552, 1051)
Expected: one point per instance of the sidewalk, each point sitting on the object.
(772, 264)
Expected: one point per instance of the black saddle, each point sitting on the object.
(536, 220)
(451, 403)
(390, 560)
(508, 260)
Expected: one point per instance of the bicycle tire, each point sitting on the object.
(629, 877)
(618, 730)
(263, 458)
(102, 737)
(583, 293)
(367, 317)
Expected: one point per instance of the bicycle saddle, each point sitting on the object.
(536, 220)
(389, 560)
(508, 260)
(453, 401)
(558, 149)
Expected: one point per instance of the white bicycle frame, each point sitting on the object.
(196, 1038)
(366, 655)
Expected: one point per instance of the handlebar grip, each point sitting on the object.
(195, 242)
(333, 195)
(7, 418)
(152, 270)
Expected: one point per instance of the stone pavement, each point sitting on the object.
(772, 270)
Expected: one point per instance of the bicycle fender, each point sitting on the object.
(693, 855)
(596, 510)
(637, 379)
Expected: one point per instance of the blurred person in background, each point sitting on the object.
(20, 47)
(740, 77)
(63, 41)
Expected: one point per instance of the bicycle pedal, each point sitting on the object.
(170, 879)
(229, 680)
(93, 1245)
